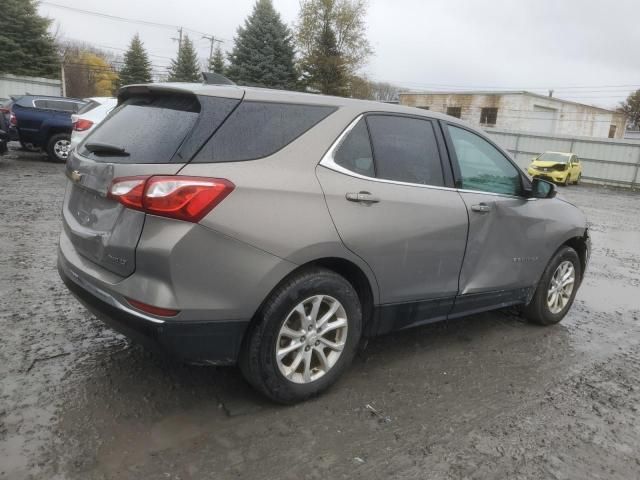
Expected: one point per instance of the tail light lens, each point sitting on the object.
(81, 125)
(13, 120)
(182, 198)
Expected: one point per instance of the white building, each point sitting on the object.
(522, 111)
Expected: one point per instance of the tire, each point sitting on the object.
(58, 147)
(258, 360)
(539, 310)
(577, 182)
(566, 181)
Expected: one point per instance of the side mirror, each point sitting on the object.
(542, 189)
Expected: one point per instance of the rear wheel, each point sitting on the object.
(59, 147)
(557, 288)
(304, 338)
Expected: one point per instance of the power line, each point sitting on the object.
(121, 19)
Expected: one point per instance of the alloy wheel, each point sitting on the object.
(62, 148)
(561, 287)
(311, 339)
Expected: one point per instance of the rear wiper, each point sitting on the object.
(106, 149)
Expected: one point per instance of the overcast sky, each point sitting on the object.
(587, 50)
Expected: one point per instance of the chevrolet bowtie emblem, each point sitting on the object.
(75, 176)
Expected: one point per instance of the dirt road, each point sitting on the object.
(489, 396)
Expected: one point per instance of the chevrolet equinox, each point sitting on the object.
(276, 229)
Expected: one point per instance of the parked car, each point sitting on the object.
(45, 122)
(90, 116)
(4, 135)
(276, 229)
(558, 167)
(9, 118)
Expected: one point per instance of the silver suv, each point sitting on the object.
(276, 229)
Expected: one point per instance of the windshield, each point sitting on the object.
(554, 157)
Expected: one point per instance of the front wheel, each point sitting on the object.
(577, 182)
(304, 338)
(557, 288)
(59, 147)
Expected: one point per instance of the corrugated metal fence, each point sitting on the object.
(604, 161)
(15, 85)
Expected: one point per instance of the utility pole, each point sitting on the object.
(179, 39)
(213, 40)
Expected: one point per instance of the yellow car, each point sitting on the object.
(558, 167)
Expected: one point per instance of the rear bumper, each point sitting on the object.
(201, 342)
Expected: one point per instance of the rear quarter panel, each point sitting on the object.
(278, 205)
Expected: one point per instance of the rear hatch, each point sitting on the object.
(153, 131)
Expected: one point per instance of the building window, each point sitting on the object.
(612, 131)
(454, 112)
(489, 116)
(425, 108)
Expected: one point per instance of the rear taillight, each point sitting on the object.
(13, 120)
(182, 198)
(5, 111)
(81, 125)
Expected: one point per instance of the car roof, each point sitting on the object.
(273, 95)
(566, 154)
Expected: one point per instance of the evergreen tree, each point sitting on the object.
(263, 53)
(185, 67)
(137, 67)
(26, 48)
(325, 69)
(216, 63)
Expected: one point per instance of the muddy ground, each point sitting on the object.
(489, 396)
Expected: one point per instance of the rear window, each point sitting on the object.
(150, 128)
(259, 129)
(60, 105)
(88, 107)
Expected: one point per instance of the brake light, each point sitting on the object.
(158, 311)
(82, 124)
(182, 198)
(13, 120)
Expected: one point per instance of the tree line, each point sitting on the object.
(322, 53)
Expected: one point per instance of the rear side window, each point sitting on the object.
(405, 149)
(354, 153)
(149, 127)
(259, 129)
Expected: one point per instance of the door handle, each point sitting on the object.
(362, 197)
(481, 208)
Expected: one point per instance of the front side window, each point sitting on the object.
(405, 149)
(482, 166)
(354, 153)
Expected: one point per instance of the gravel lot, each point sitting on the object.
(488, 396)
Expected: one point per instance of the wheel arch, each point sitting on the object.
(366, 287)
(580, 245)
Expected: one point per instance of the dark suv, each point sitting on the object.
(45, 122)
